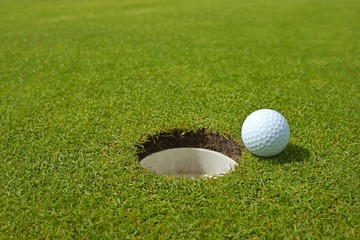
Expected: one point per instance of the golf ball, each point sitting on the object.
(265, 133)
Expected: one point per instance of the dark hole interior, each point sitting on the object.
(180, 138)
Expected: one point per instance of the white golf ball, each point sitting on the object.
(265, 133)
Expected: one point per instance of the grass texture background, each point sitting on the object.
(81, 82)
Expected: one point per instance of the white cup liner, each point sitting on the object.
(189, 162)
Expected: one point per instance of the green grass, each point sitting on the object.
(83, 81)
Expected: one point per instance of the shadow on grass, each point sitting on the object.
(292, 153)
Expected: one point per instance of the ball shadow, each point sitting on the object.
(292, 153)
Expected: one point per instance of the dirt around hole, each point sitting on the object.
(180, 138)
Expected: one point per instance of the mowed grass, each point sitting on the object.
(82, 82)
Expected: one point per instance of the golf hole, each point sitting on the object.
(189, 153)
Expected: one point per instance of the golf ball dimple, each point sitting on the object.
(265, 133)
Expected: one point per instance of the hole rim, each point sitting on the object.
(193, 163)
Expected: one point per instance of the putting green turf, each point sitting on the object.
(83, 81)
